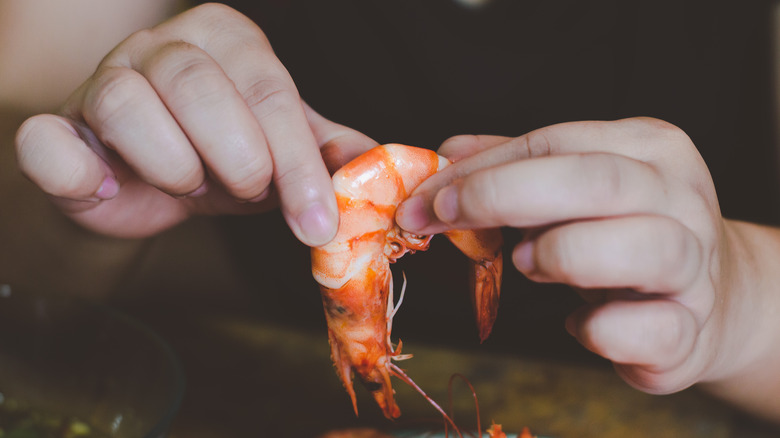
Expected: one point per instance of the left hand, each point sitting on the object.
(624, 211)
(194, 116)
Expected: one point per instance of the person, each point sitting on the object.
(199, 115)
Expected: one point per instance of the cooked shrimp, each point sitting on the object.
(353, 270)
(496, 431)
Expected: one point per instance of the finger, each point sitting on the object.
(473, 153)
(650, 338)
(643, 253)
(463, 146)
(115, 104)
(637, 138)
(51, 153)
(531, 193)
(302, 179)
(266, 92)
(210, 110)
(633, 138)
(338, 143)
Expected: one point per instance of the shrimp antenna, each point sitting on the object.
(398, 372)
(473, 394)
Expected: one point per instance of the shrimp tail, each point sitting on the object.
(483, 248)
(343, 368)
(376, 380)
(358, 332)
(485, 278)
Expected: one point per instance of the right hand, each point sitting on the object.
(626, 213)
(193, 116)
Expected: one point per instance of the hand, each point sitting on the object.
(625, 212)
(193, 116)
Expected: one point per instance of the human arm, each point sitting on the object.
(626, 212)
(193, 116)
(47, 48)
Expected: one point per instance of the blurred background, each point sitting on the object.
(234, 295)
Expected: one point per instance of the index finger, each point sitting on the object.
(299, 174)
(628, 138)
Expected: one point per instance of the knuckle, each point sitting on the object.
(180, 180)
(213, 11)
(562, 262)
(139, 38)
(249, 180)
(536, 143)
(557, 254)
(681, 255)
(660, 132)
(604, 176)
(114, 91)
(120, 55)
(211, 8)
(188, 76)
(672, 338)
(173, 57)
(267, 97)
(217, 17)
(293, 177)
(674, 247)
(479, 197)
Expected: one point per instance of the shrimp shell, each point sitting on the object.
(353, 270)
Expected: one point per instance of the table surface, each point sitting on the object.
(250, 376)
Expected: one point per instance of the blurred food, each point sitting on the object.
(18, 420)
(356, 433)
(70, 368)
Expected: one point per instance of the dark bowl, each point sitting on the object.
(69, 359)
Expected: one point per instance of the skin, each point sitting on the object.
(225, 132)
(624, 211)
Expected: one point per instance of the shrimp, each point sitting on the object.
(353, 270)
(496, 431)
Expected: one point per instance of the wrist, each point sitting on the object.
(746, 365)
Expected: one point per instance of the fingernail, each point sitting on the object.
(316, 224)
(108, 189)
(446, 204)
(523, 257)
(412, 214)
(200, 191)
(262, 196)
